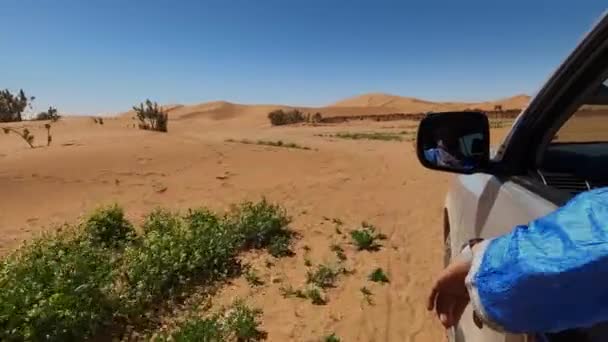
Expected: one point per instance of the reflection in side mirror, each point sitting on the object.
(454, 141)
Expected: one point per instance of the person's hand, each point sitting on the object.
(449, 296)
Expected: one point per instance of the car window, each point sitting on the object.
(589, 123)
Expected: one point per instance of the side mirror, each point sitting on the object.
(454, 141)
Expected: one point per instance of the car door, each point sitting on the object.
(489, 204)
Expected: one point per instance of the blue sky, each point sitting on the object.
(103, 56)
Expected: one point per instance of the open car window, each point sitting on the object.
(589, 124)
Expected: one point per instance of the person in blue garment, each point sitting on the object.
(446, 153)
(545, 277)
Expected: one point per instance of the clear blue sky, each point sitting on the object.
(86, 56)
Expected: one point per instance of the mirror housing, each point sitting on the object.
(456, 142)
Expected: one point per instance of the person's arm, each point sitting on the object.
(548, 276)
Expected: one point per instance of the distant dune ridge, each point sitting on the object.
(366, 104)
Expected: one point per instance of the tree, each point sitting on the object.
(151, 116)
(51, 114)
(11, 106)
(498, 108)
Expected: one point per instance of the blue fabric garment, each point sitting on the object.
(440, 157)
(551, 275)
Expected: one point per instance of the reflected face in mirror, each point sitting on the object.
(454, 148)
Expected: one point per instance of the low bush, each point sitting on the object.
(56, 288)
(386, 136)
(367, 295)
(151, 116)
(66, 286)
(262, 225)
(324, 276)
(339, 252)
(378, 276)
(366, 237)
(198, 329)
(169, 257)
(285, 117)
(331, 338)
(51, 114)
(316, 296)
(161, 220)
(278, 143)
(239, 323)
(108, 227)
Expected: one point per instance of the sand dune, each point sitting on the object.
(414, 105)
(368, 104)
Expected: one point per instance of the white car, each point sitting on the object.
(557, 147)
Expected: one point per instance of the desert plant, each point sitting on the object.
(161, 220)
(289, 291)
(24, 134)
(241, 323)
(151, 116)
(278, 143)
(262, 225)
(55, 289)
(12, 106)
(378, 276)
(108, 227)
(367, 295)
(167, 258)
(339, 251)
(238, 323)
(280, 246)
(317, 117)
(316, 296)
(252, 278)
(331, 338)
(51, 114)
(324, 276)
(285, 117)
(49, 137)
(199, 329)
(307, 262)
(386, 136)
(366, 237)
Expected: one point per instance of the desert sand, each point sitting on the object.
(192, 165)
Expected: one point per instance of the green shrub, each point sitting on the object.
(164, 260)
(242, 323)
(151, 116)
(324, 276)
(379, 276)
(316, 296)
(199, 329)
(161, 220)
(386, 136)
(51, 114)
(55, 288)
(280, 246)
(238, 323)
(108, 227)
(366, 237)
(260, 224)
(331, 338)
(285, 117)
